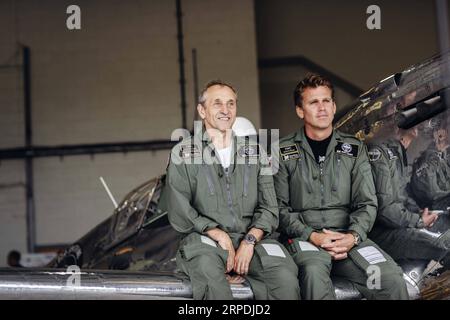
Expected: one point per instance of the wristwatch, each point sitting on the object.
(357, 238)
(250, 239)
(420, 224)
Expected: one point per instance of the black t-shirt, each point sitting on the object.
(319, 148)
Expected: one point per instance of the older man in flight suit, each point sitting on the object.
(327, 203)
(220, 195)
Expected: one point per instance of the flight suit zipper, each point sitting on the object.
(322, 191)
(229, 197)
(303, 174)
(208, 179)
(322, 188)
(246, 178)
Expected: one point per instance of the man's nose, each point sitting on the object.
(321, 106)
(224, 109)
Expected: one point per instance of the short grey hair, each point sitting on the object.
(217, 82)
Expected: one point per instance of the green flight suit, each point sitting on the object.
(430, 180)
(201, 195)
(397, 229)
(338, 194)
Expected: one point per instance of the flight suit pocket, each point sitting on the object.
(207, 193)
(195, 245)
(249, 190)
(272, 254)
(248, 214)
(267, 194)
(305, 253)
(341, 180)
(368, 254)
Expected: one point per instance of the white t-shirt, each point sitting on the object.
(225, 156)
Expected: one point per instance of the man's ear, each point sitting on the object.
(299, 111)
(334, 107)
(201, 111)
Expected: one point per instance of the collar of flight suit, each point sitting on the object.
(432, 151)
(206, 141)
(301, 139)
(398, 150)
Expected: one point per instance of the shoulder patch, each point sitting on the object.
(187, 151)
(249, 151)
(374, 154)
(289, 152)
(348, 149)
(420, 171)
(391, 154)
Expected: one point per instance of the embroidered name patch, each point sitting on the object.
(306, 246)
(187, 151)
(347, 149)
(372, 255)
(289, 152)
(273, 250)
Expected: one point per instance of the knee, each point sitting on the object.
(315, 267)
(392, 280)
(208, 266)
(394, 284)
(285, 277)
(312, 272)
(283, 284)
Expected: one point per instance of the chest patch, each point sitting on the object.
(188, 151)
(289, 152)
(374, 154)
(347, 149)
(422, 169)
(391, 154)
(251, 151)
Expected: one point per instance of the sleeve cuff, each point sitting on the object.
(358, 230)
(305, 234)
(202, 224)
(413, 222)
(267, 230)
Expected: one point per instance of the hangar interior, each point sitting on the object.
(131, 75)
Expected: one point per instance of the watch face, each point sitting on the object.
(250, 238)
(357, 238)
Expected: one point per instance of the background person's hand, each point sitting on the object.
(429, 217)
